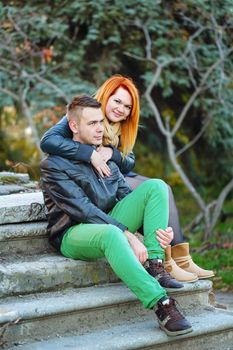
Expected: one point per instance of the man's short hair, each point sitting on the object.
(76, 106)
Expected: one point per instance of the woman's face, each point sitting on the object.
(119, 106)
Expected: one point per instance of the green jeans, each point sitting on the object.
(147, 205)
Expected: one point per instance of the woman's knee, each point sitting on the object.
(135, 181)
(170, 191)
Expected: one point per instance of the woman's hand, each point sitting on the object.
(105, 152)
(165, 236)
(99, 164)
(139, 249)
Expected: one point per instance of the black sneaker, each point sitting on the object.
(170, 318)
(157, 270)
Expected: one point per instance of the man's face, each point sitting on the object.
(90, 127)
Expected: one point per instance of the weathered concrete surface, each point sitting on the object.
(79, 299)
(224, 299)
(22, 207)
(46, 272)
(23, 230)
(212, 330)
(8, 189)
(31, 186)
(78, 310)
(26, 238)
(19, 177)
(112, 314)
(74, 310)
(193, 295)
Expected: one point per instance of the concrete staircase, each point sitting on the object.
(52, 303)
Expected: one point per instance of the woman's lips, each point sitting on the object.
(118, 115)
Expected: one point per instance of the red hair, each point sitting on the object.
(129, 127)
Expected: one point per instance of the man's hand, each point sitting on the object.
(165, 236)
(139, 249)
(100, 164)
(105, 152)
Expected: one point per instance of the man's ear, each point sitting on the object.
(73, 126)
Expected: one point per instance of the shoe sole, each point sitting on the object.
(172, 289)
(200, 277)
(205, 277)
(175, 333)
(190, 281)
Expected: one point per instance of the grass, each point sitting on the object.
(217, 253)
(221, 261)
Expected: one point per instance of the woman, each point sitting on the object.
(120, 104)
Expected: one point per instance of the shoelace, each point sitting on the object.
(172, 310)
(161, 270)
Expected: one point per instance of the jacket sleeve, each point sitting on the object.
(123, 187)
(70, 197)
(125, 164)
(58, 141)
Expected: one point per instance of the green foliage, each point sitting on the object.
(148, 163)
(9, 180)
(221, 261)
(51, 51)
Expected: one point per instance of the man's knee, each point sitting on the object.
(111, 232)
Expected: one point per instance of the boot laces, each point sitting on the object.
(172, 310)
(160, 270)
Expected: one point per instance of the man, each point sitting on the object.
(90, 217)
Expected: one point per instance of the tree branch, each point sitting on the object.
(197, 91)
(195, 139)
(7, 92)
(26, 112)
(198, 218)
(53, 86)
(219, 203)
(180, 171)
(150, 100)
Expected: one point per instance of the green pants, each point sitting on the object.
(147, 205)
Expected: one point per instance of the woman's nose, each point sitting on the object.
(120, 108)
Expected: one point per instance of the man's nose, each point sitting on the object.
(100, 127)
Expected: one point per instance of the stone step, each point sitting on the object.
(83, 310)
(9, 189)
(212, 330)
(10, 177)
(22, 207)
(24, 238)
(46, 272)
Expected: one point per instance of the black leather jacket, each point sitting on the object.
(74, 193)
(58, 141)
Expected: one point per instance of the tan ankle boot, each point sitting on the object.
(180, 253)
(175, 271)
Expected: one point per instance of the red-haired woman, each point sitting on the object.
(120, 104)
